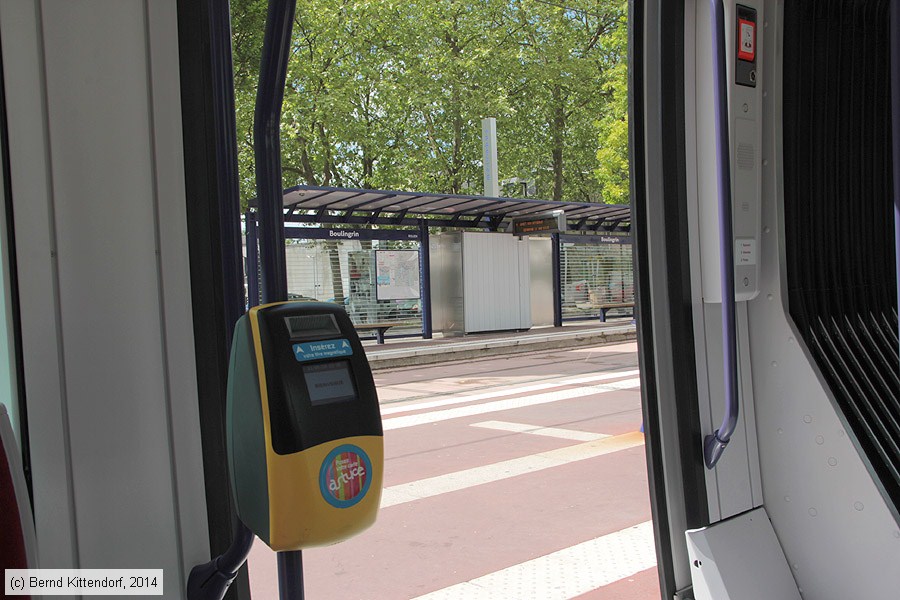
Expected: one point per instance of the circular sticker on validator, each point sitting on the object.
(345, 476)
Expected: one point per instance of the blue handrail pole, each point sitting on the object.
(895, 133)
(290, 575)
(267, 152)
(714, 445)
(267, 147)
(425, 285)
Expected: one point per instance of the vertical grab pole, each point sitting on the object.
(290, 575)
(267, 147)
(714, 445)
(267, 152)
(895, 131)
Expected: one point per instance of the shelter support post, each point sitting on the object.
(425, 279)
(557, 281)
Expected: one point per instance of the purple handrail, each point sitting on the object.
(714, 445)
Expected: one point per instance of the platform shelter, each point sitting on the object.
(373, 251)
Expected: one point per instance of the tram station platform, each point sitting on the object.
(405, 352)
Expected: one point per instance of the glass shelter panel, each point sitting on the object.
(345, 272)
(595, 277)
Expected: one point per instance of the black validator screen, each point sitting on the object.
(329, 382)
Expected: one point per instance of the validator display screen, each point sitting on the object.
(329, 382)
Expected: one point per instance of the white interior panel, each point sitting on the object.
(837, 532)
(791, 450)
(734, 485)
(175, 281)
(32, 191)
(739, 559)
(744, 132)
(98, 190)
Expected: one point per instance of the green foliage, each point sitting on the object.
(389, 94)
(612, 155)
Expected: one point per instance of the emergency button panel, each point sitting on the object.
(745, 65)
(747, 33)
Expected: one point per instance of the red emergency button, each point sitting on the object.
(746, 40)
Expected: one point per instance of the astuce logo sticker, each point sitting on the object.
(345, 476)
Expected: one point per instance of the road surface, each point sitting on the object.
(507, 478)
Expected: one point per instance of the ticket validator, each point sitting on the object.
(305, 442)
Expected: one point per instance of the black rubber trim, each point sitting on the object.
(203, 36)
(681, 318)
(659, 507)
(24, 437)
(838, 207)
(669, 209)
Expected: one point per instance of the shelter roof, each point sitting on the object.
(313, 204)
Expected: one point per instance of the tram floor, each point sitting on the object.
(511, 478)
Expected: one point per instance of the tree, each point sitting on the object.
(390, 94)
(563, 89)
(612, 155)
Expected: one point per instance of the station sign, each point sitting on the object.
(539, 224)
(608, 239)
(335, 234)
(615, 239)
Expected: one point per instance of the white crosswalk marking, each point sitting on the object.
(555, 432)
(511, 403)
(537, 387)
(460, 480)
(564, 574)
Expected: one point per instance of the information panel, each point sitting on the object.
(397, 274)
(539, 224)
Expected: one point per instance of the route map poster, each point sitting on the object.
(396, 274)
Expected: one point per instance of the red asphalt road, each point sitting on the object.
(432, 543)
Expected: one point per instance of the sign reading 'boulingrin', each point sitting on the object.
(331, 233)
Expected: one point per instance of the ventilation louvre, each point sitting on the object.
(839, 213)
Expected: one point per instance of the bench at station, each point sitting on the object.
(608, 306)
(381, 328)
